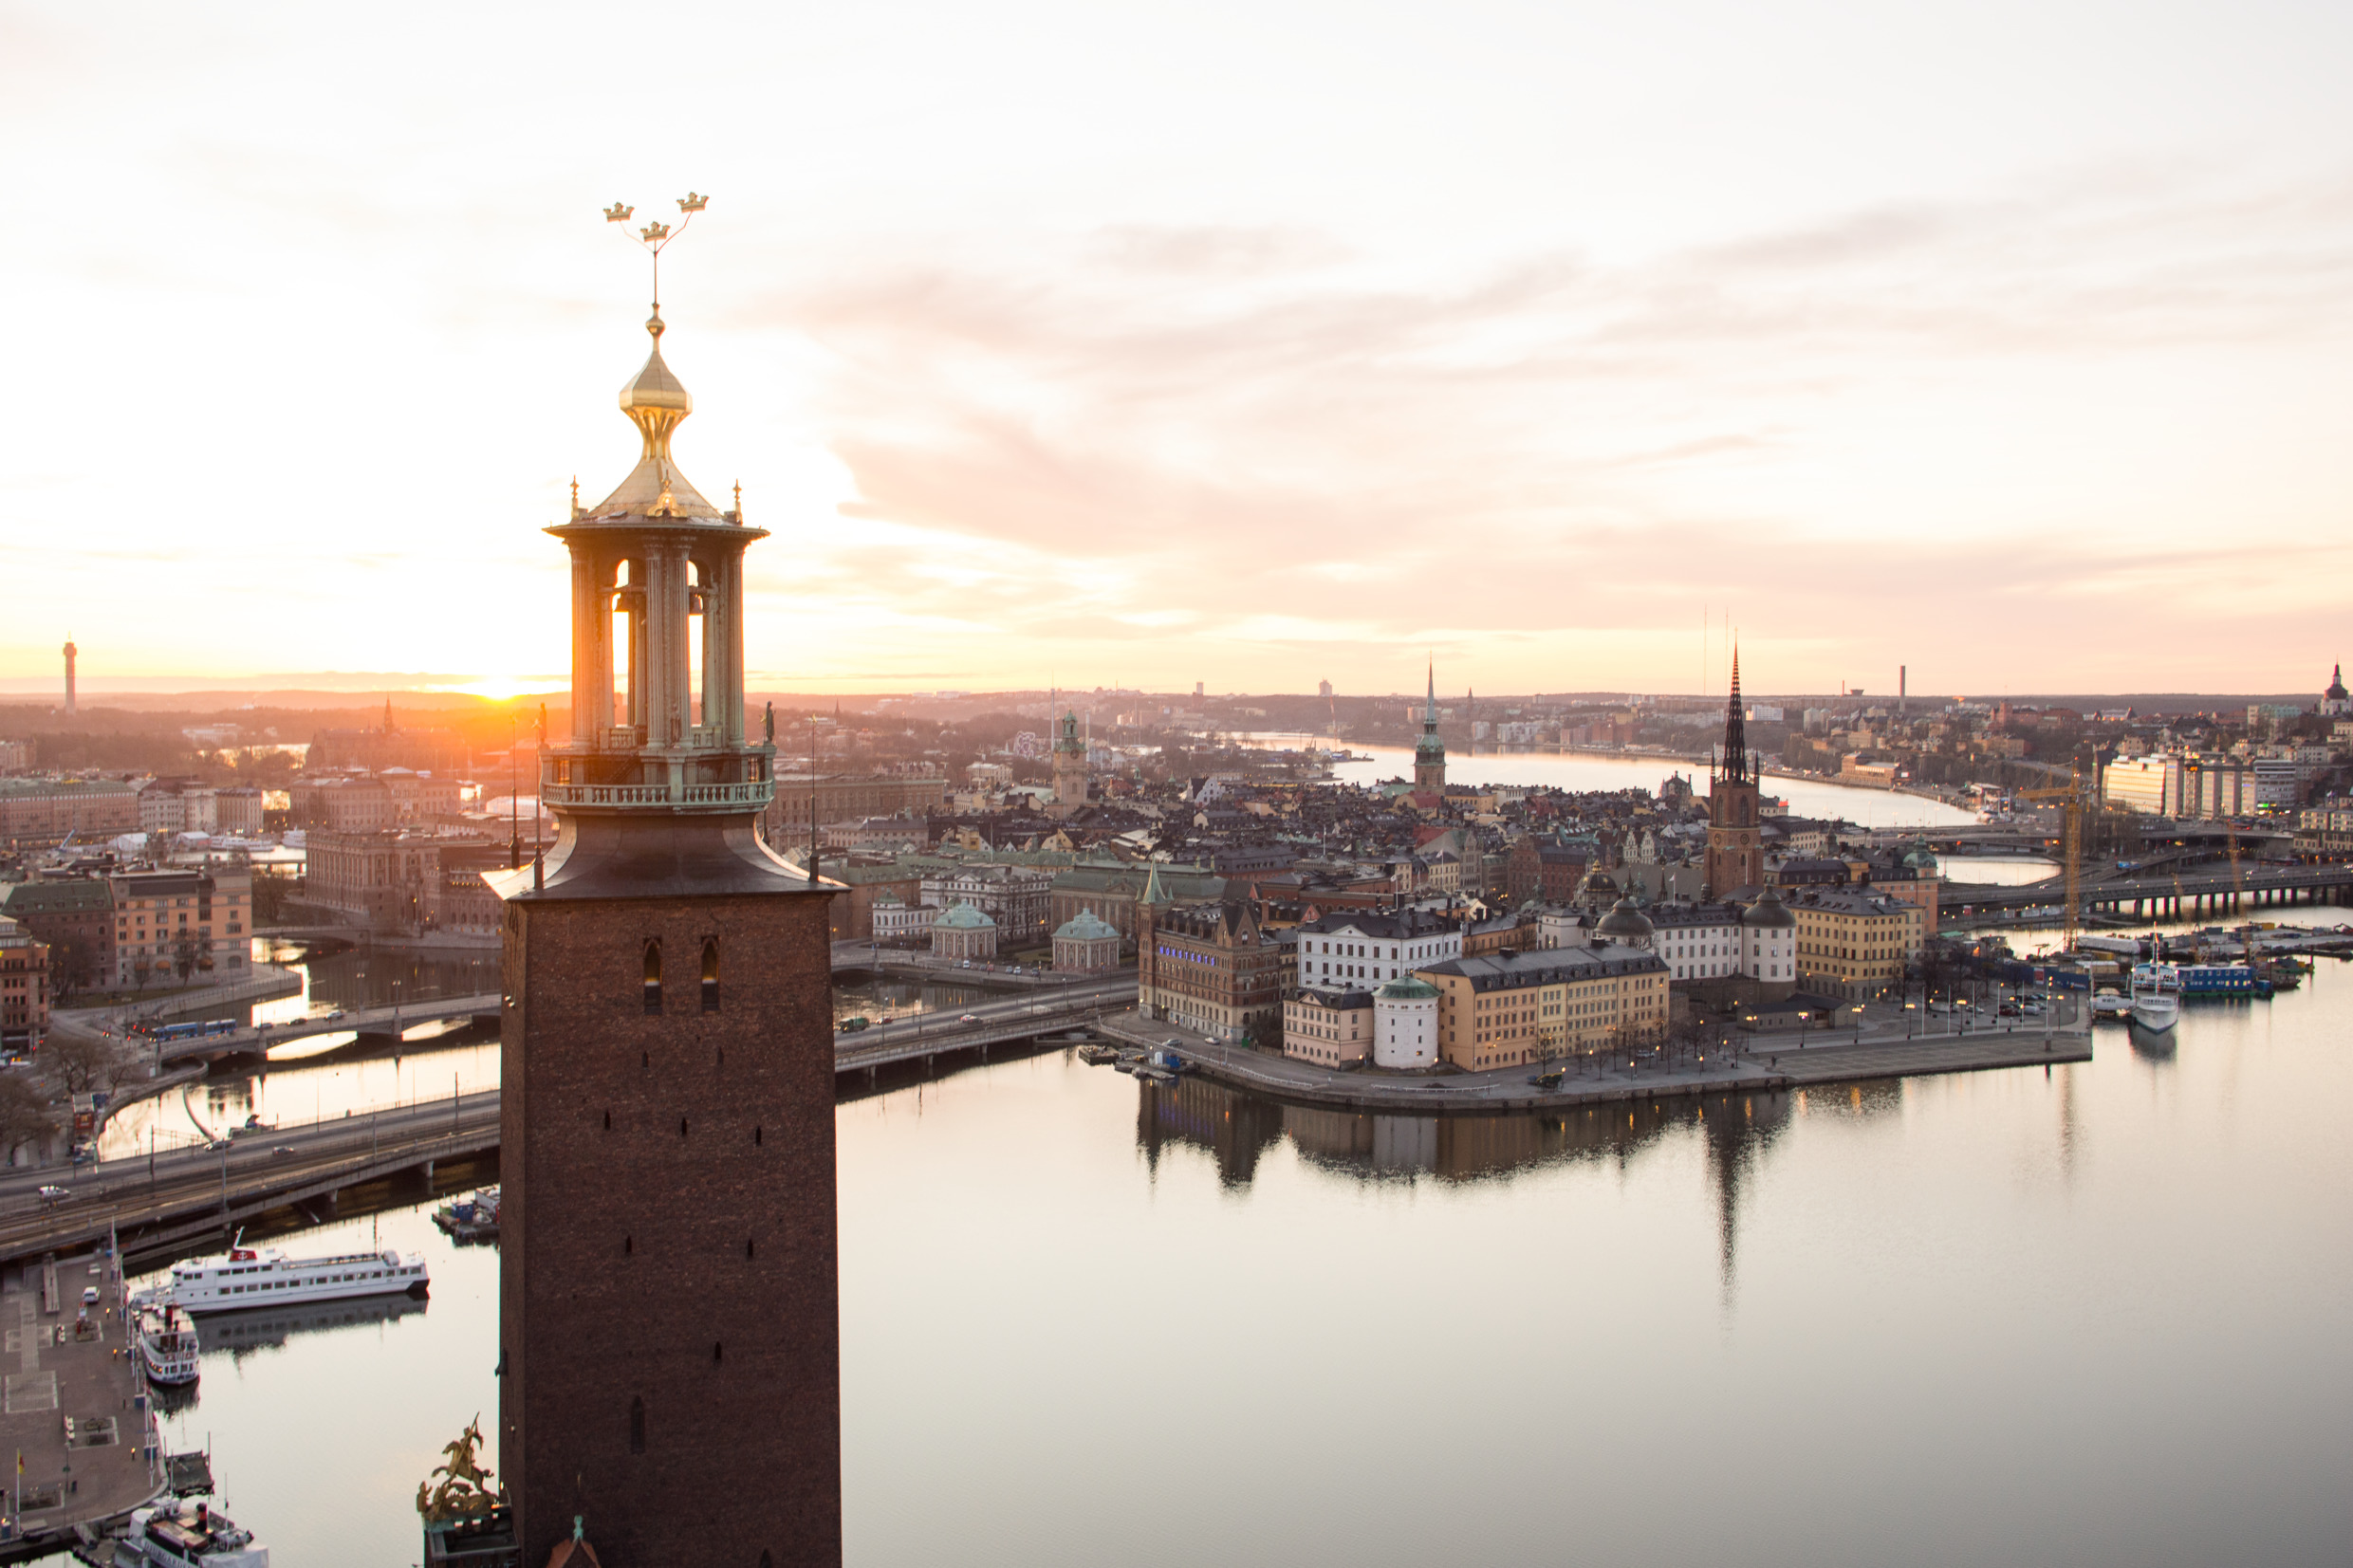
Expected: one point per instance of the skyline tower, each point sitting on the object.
(1429, 752)
(1736, 844)
(71, 653)
(669, 1318)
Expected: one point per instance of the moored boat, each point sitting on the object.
(2156, 997)
(167, 1345)
(193, 1535)
(248, 1278)
(471, 1219)
(2110, 1002)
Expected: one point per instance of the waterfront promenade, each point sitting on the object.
(1888, 1045)
(72, 1413)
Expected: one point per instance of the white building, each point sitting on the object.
(1357, 949)
(1405, 1023)
(896, 920)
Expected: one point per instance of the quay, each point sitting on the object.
(1767, 1063)
(76, 1411)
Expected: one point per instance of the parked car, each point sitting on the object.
(89, 1296)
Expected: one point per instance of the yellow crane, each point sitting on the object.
(2071, 798)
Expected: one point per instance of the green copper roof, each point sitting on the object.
(961, 917)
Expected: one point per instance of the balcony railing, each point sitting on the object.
(752, 795)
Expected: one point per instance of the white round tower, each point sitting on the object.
(1405, 1023)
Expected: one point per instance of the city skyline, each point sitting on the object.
(1250, 349)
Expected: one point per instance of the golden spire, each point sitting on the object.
(654, 399)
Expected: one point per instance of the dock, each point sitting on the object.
(75, 1413)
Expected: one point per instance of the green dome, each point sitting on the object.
(1624, 923)
(1085, 926)
(1768, 911)
(961, 917)
(1406, 989)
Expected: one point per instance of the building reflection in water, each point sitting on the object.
(1236, 1129)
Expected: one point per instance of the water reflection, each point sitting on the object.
(878, 1000)
(239, 1335)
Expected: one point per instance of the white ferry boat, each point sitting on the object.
(2110, 1002)
(246, 1278)
(2156, 997)
(167, 1345)
(192, 1535)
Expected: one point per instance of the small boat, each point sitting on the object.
(2156, 997)
(1096, 1056)
(246, 1278)
(167, 1345)
(2110, 1002)
(191, 1534)
(474, 1218)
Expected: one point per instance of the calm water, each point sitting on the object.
(2092, 1315)
(1582, 770)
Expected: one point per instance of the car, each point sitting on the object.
(1172, 1042)
(217, 1145)
(89, 1296)
(55, 1194)
(969, 1018)
(335, 1016)
(281, 1151)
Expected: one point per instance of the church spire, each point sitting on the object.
(1734, 766)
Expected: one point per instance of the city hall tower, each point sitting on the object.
(668, 1307)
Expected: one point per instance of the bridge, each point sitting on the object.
(2170, 894)
(174, 1198)
(386, 1022)
(178, 1196)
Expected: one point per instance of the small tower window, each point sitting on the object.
(711, 975)
(652, 977)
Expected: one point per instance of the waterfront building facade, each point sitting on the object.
(1512, 1009)
(1405, 1024)
(1211, 968)
(1329, 1026)
(1853, 943)
(669, 1310)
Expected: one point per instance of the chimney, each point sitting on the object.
(70, 652)
(1902, 674)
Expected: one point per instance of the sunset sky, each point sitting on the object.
(1252, 343)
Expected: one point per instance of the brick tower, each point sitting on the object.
(1736, 850)
(668, 1314)
(1429, 752)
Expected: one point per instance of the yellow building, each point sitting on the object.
(1508, 1009)
(1853, 942)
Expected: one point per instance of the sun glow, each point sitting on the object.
(507, 687)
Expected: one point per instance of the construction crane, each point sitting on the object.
(2071, 913)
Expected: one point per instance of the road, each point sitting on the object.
(249, 1172)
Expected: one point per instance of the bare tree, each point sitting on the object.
(26, 1115)
(80, 1062)
(186, 955)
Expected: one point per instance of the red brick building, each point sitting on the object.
(668, 1308)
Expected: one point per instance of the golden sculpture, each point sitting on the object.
(465, 1492)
